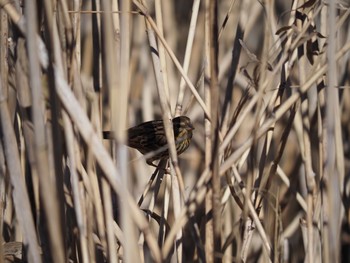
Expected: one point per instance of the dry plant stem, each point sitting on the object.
(195, 198)
(223, 27)
(281, 111)
(165, 209)
(107, 233)
(110, 81)
(108, 214)
(321, 156)
(163, 92)
(96, 199)
(122, 103)
(288, 57)
(332, 174)
(176, 198)
(157, 185)
(293, 42)
(4, 70)
(103, 158)
(148, 186)
(4, 67)
(76, 25)
(266, 181)
(110, 171)
(90, 230)
(161, 52)
(247, 229)
(84, 126)
(102, 204)
(262, 179)
(119, 233)
(214, 95)
(229, 136)
(79, 118)
(47, 189)
(145, 12)
(236, 51)
(276, 242)
(209, 227)
(199, 190)
(309, 173)
(57, 151)
(264, 109)
(286, 181)
(66, 19)
(116, 20)
(186, 63)
(110, 64)
(169, 132)
(21, 23)
(124, 68)
(75, 187)
(20, 194)
(253, 213)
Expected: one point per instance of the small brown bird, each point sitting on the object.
(149, 138)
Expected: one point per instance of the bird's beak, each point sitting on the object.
(190, 127)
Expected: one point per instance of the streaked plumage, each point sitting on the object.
(149, 137)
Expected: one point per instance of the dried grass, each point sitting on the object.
(266, 84)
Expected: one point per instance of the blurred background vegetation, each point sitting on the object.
(266, 85)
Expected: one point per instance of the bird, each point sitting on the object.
(149, 138)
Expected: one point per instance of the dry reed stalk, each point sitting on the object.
(172, 55)
(267, 171)
(20, 194)
(333, 162)
(52, 206)
(188, 52)
(214, 106)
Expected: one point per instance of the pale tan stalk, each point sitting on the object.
(47, 188)
(20, 194)
(188, 52)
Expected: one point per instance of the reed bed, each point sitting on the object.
(266, 85)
